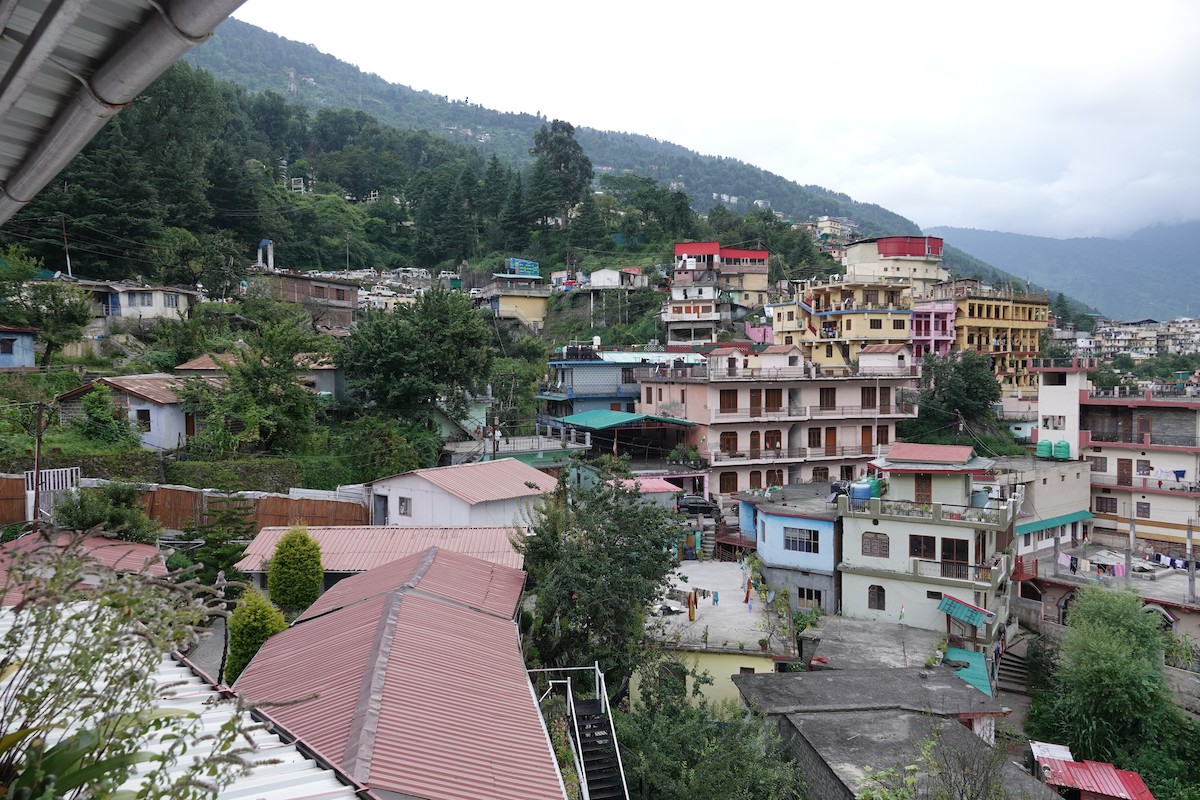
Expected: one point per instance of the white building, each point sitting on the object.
(151, 403)
(479, 494)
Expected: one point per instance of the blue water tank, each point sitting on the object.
(860, 493)
(979, 498)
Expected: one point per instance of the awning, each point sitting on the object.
(962, 611)
(599, 419)
(975, 673)
(1052, 522)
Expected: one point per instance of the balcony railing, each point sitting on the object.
(622, 390)
(805, 453)
(883, 409)
(703, 373)
(1145, 439)
(1146, 483)
(729, 414)
(976, 573)
(996, 515)
(1065, 363)
(1166, 392)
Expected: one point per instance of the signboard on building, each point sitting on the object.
(519, 266)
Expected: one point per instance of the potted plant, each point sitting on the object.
(742, 646)
(762, 643)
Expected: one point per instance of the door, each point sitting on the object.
(189, 424)
(885, 399)
(379, 509)
(954, 558)
(1144, 430)
(924, 487)
(1125, 472)
(756, 402)
(731, 367)
(831, 441)
(829, 398)
(867, 444)
(755, 444)
(774, 399)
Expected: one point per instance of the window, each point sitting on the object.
(829, 351)
(791, 316)
(1143, 510)
(627, 375)
(774, 477)
(660, 394)
(829, 398)
(814, 437)
(404, 506)
(801, 540)
(649, 395)
(808, 598)
(868, 397)
(1106, 505)
(933, 595)
(846, 472)
(318, 292)
(1143, 466)
(788, 340)
(7, 346)
(170, 300)
(774, 399)
(728, 482)
(1099, 463)
(339, 294)
(820, 474)
(729, 441)
(728, 401)
(145, 299)
(876, 599)
(745, 670)
(882, 434)
(683, 396)
(772, 440)
(897, 324)
(755, 479)
(876, 545)
(922, 547)
(143, 419)
(876, 324)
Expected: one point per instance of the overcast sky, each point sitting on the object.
(1054, 118)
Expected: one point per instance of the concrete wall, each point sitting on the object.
(166, 424)
(771, 542)
(819, 779)
(22, 354)
(1185, 686)
(794, 579)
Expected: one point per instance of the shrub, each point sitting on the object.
(103, 421)
(295, 575)
(115, 508)
(252, 623)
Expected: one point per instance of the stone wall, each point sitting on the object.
(1186, 688)
(820, 781)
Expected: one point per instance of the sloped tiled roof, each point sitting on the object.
(481, 481)
(215, 361)
(358, 548)
(779, 349)
(417, 693)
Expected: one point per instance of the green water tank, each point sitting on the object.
(1062, 450)
(1045, 449)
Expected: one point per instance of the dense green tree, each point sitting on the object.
(597, 556)
(588, 230)
(57, 310)
(543, 194)
(494, 190)
(514, 219)
(216, 542)
(677, 747)
(958, 387)
(253, 622)
(102, 421)
(383, 446)
(566, 159)
(429, 352)
(295, 575)
(114, 508)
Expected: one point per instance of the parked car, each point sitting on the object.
(695, 504)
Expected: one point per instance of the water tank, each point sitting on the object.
(860, 492)
(875, 485)
(1045, 449)
(596, 342)
(979, 498)
(1062, 450)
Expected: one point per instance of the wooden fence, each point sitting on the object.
(12, 499)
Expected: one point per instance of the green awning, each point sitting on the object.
(599, 419)
(975, 673)
(1053, 522)
(550, 396)
(963, 612)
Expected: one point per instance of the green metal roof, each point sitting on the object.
(599, 419)
(975, 673)
(1053, 522)
(963, 612)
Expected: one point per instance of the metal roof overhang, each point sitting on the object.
(68, 66)
(1053, 522)
(962, 611)
(601, 419)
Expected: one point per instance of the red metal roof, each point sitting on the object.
(120, 556)
(729, 252)
(416, 693)
(784, 348)
(217, 361)
(649, 485)
(883, 348)
(358, 548)
(697, 249)
(481, 481)
(1100, 779)
(473, 582)
(930, 453)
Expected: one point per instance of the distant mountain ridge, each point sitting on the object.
(1151, 274)
(259, 61)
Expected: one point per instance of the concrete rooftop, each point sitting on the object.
(1150, 581)
(861, 644)
(728, 621)
(808, 500)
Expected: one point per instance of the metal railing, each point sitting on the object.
(808, 453)
(1145, 482)
(1144, 439)
(956, 570)
(808, 371)
(862, 411)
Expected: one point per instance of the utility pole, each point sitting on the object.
(62, 220)
(39, 429)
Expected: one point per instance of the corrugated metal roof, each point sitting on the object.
(474, 582)
(359, 548)
(115, 554)
(599, 419)
(280, 770)
(883, 348)
(780, 348)
(962, 611)
(1053, 522)
(481, 481)
(1103, 780)
(650, 485)
(418, 694)
(216, 361)
(975, 673)
(930, 453)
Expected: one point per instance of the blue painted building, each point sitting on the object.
(587, 378)
(796, 531)
(16, 347)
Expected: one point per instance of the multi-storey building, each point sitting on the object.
(933, 327)
(693, 314)
(1001, 324)
(585, 377)
(712, 284)
(773, 418)
(1142, 447)
(832, 320)
(929, 552)
(519, 296)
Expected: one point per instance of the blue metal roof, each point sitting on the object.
(975, 673)
(1053, 522)
(963, 612)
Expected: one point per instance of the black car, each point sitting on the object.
(695, 504)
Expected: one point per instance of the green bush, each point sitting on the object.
(103, 421)
(251, 475)
(114, 508)
(295, 575)
(250, 625)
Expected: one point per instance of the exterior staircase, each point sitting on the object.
(1012, 673)
(597, 746)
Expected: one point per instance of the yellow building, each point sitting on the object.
(1002, 324)
(832, 321)
(520, 297)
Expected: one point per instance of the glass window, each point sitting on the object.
(922, 547)
(1106, 505)
(876, 598)
(876, 544)
(1143, 510)
(7, 346)
(729, 441)
(404, 506)
(1099, 463)
(170, 299)
(801, 540)
(876, 324)
(755, 479)
(728, 401)
(728, 482)
(774, 477)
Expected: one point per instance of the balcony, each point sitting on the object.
(703, 374)
(998, 515)
(1168, 393)
(708, 316)
(750, 413)
(989, 574)
(797, 453)
(882, 410)
(1138, 440)
(1146, 483)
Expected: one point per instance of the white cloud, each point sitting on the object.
(1063, 118)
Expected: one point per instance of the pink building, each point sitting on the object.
(771, 418)
(932, 327)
